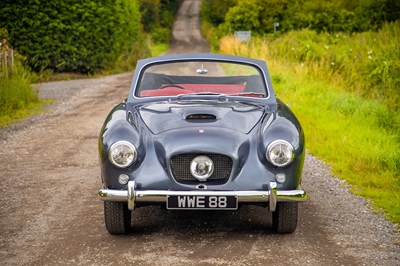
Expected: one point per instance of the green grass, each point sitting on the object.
(344, 131)
(18, 100)
(29, 110)
(345, 91)
(158, 49)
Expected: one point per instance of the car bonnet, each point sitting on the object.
(164, 116)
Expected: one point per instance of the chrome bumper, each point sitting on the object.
(272, 196)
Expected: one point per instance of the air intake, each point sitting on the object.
(201, 117)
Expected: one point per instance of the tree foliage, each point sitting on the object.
(66, 35)
(158, 18)
(215, 11)
(259, 16)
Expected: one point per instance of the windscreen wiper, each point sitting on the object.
(251, 94)
(208, 93)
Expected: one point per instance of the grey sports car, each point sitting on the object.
(201, 132)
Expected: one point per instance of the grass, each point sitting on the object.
(17, 100)
(348, 106)
(29, 110)
(158, 49)
(344, 131)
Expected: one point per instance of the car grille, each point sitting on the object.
(180, 165)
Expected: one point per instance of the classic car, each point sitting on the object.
(201, 132)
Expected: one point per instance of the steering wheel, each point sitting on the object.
(172, 85)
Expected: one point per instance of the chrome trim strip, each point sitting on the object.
(113, 195)
(269, 121)
(131, 195)
(160, 196)
(272, 196)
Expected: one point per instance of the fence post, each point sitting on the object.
(5, 63)
(1, 64)
(12, 61)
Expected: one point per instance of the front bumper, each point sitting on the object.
(271, 196)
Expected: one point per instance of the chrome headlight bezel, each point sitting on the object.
(288, 152)
(129, 157)
(202, 167)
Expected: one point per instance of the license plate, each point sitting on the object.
(202, 202)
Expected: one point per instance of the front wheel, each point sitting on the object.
(117, 217)
(284, 218)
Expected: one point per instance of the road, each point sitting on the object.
(50, 213)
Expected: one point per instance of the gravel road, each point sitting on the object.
(50, 214)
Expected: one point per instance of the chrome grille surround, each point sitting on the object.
(180, 166)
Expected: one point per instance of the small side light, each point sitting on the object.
(280, 178)
(123, 179)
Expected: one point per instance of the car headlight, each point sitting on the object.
(280, 153)
(122, 154)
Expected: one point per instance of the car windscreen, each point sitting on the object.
(201, 77)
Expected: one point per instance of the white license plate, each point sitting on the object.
(202, 202)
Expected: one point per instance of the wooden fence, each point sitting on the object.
(6, 63)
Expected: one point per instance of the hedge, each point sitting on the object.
(259, 16)
(68, 35)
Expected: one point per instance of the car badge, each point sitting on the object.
(201, 131)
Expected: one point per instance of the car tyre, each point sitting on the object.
(284, 218)
(117, 217)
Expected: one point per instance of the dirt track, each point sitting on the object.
(50, 214)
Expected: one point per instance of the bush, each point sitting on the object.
(215, 11)
(158, 18)
(259, 16)
(245, 16)
(74, 36)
